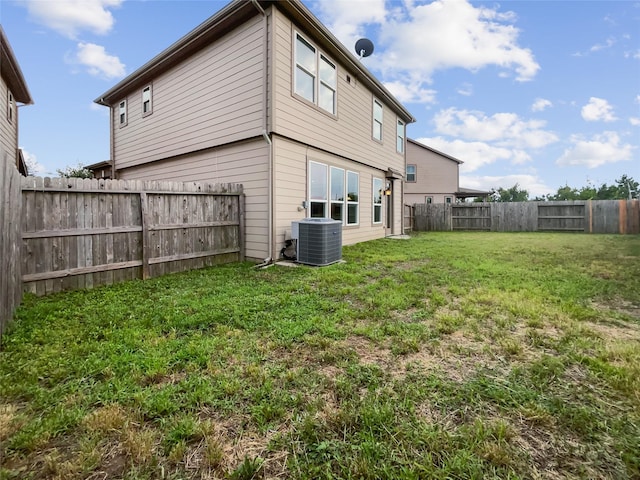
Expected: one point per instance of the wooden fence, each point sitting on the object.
(83, 233)
(10, 208)
(597, 216)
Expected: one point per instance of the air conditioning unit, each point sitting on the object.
(318, 241)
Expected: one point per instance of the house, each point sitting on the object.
(101, 169)
(14, 90)
(264, 95)
(433, 177)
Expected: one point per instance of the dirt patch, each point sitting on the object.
(616, 331)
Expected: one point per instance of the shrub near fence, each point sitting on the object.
(80, 233)
(10, 208)
(597, 216)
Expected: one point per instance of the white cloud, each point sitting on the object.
(414, 41)
(466, 89)
(531, 183)
(635, 121)
(475, 154)
(541, 104)
(411, 92)
(598, 109)
(504, 129)
(98, 62)
(610, 42)
(35, 168)
(602, 149)
(69, 17)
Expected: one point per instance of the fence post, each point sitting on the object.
(241, 226)
(144, 218)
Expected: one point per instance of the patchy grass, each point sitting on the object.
(449, 355)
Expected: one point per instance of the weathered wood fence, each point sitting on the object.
(10, 208)
(83, 233)
(591, 216)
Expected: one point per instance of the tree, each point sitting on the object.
(627, 188)
(513, 194)
(79, 171)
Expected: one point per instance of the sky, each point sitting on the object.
(538, 93)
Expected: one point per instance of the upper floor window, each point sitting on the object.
(316, 78)
(10, 107)
(377, 119)
(411, 173)
(400, 137)
(147, 105)
(122, 113)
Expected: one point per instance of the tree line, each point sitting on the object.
(624, 188)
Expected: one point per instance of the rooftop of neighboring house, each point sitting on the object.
(422, 145)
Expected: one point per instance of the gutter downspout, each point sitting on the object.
(265, 133)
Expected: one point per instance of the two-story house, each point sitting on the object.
(434, 177)
(13, 90)
(264, 95)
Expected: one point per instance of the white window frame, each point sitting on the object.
(350, 202)
(147, 96)
(321, 83)
(448, 200)
(339, 201)
(400, 126)
(376, 121)
(377, 196)
(324, 200)
(122, 113)
(428, 199)
(414, 174)
(10, 106)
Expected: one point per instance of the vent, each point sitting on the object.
(318, 240)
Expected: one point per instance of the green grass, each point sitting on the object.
(449, 355)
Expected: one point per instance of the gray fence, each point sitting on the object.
(10, 208)
(597, 216)
(80, 233)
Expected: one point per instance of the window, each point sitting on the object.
(147, 106)
(400, 137)
(411, 173)
(377, 200)
(377, 120)
(337, 193)
(10, 107)
(317, 190)
(353, 198)
(122, 113)
(343, 203)
(428, 199)
(448, 199)
(316, 77)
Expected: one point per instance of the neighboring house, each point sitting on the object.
(101, 169)
(433, 177)
(264, 95)
(14, 90)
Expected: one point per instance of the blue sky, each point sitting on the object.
(539, 93)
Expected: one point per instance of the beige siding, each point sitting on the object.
(244, 162)
(348, 134)
(436, 175)
(291, 184)
(212, 98)
(8, 131)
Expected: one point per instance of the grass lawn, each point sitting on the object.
(448, 355)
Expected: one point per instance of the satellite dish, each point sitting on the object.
(364, 47)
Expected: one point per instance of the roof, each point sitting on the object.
(422, 145)
(469, 192)
(11, 72)
(228, 18)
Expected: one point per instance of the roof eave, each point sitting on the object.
(231, 15)
(12, 73)
(302, 14)
(454, 159)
